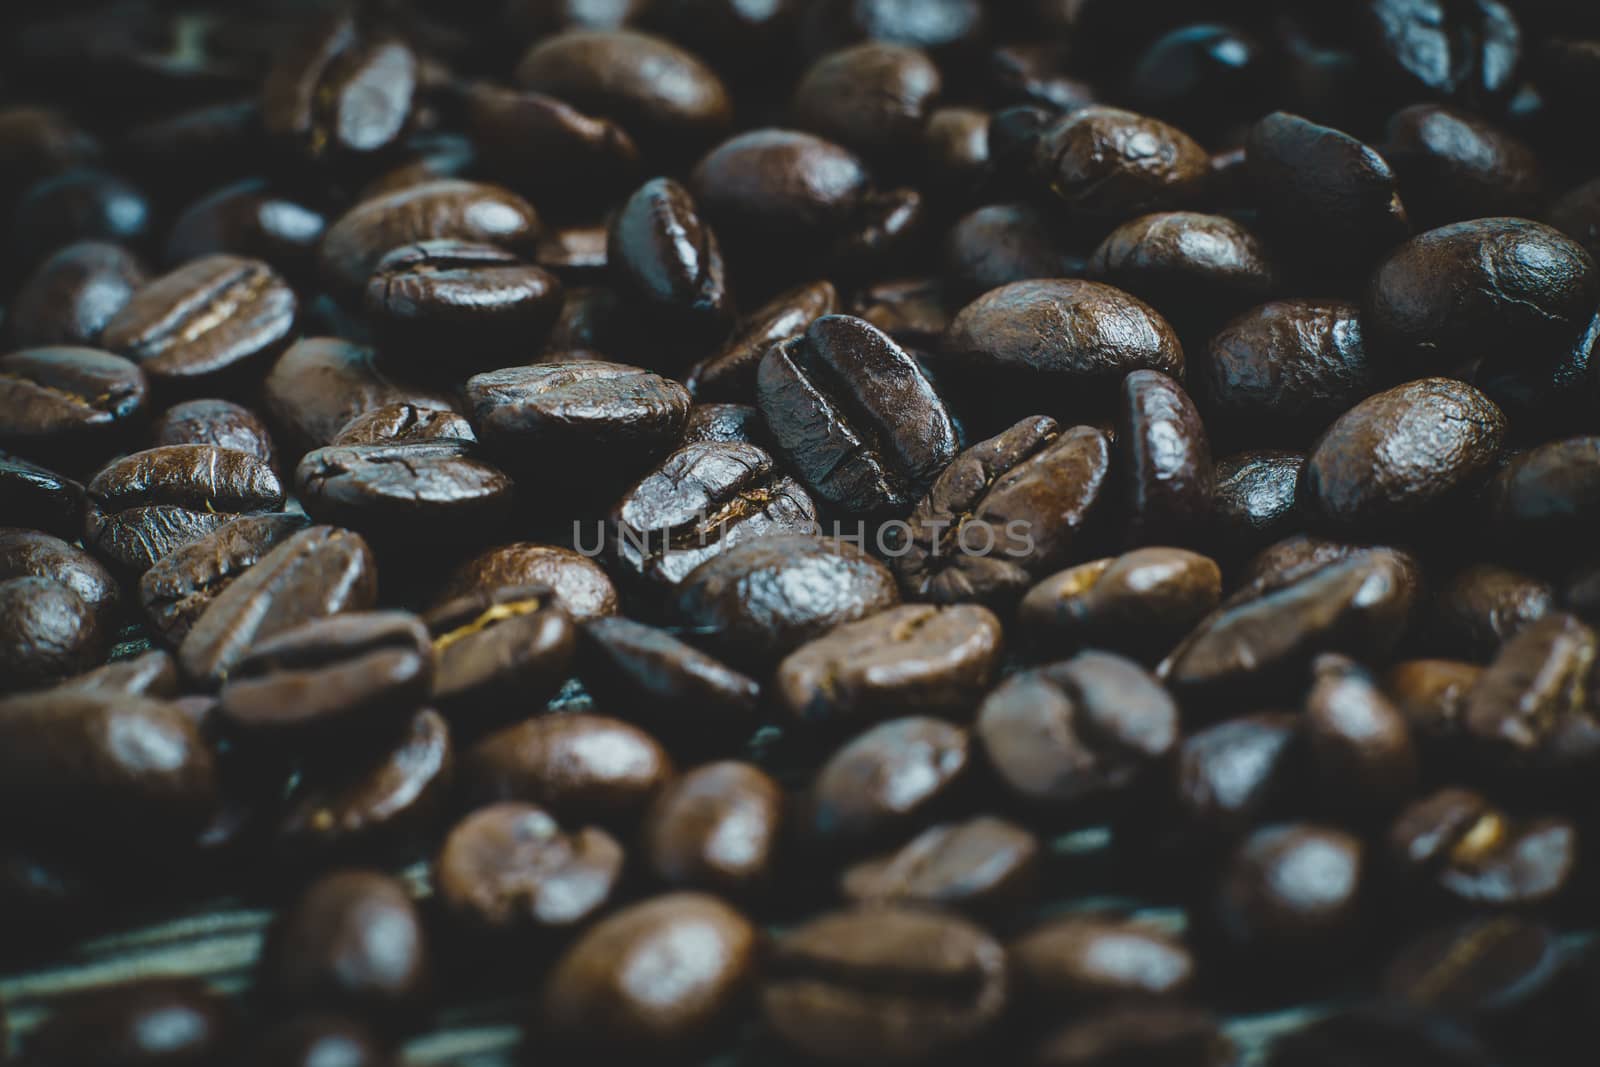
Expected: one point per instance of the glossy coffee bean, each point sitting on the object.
(1201, 75)
(580, 768)
(145, 505)
(320, 384)
(47, 633)
(580, 585)
(916, 658)
(252, 219)
(37, 498)
(1004, 243)
(509, 870)
(317, 572)
(664, 258)
(403, 423)
(592, 1002)
(548, 149)
(1199, 269)
(434, 491)
(499, 653)
(887, 783)
(726, 424)
(72, 406)
(179, 587)
(1168, 478)
(205, 325)
(1538, 503)
(214, 422)
(1398, 457)
(730, 374)
(1089, 961)
(1454, 165)
(1360, 743)
(28, 553)
(1110, 165)
(983, 866)
(1140, 603)
(1467, 52)
(176, 1021)
(1003, 512)
(873, 98)
(1256, 500)
(914, 311)
(1457, 845)
(318, 1040)
(1483, 605)
(761, 600)
(1266, 906)
(70, 297)
(887, 985)
(353, 942)
(855, 415)
(717, 828)
(82, 204)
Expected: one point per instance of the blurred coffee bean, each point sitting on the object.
(1108, 166)
(982, 866)
(1457, 845)
(180, 586)
(499, 653)
(1467, 52)
(717, 828)
(177, 1021)
(33, 497)
(251, 219)
(1454, 166)
(1360, 743)
(70, 406)
(887, 783)
(71, 296)
(1139, 604)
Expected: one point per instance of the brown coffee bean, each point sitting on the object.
(580, 585)
(1432, 695)
(1540, 502)
(70, 297)
(914, 311)
(1110, 165)
(34, 554)
(1198, 269)
(316, 1040)
(873, 98)
(47, 633)
(983, 866)
(499, 653)
(1004, 243)
(69, 406)
(1498, 971)
(320, 384)
(254, 219)
(1168, 478)
(1483, 605)
(716, 828)
(1256, 501)
(407, 494)
(887, 782)
(1154, 1033)
(404, 423)
(214, 422)
(549, 150)
(1454, 166)
(731, 373)
(1360, 743)
(1139, 604)
(153, 674)
(1457, 844)
(955, 146)
(662, 256)
(176, 591)
(1091, 961)
(177, 1021)
(1269, 907)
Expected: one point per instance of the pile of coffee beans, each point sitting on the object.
(836, 532)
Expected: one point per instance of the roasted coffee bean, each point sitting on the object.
(548, 149)
(883, 236)
(434, 156)
(984, 866)
(319, 1041)
(82, 204)
(1459, 845)
(1090, 961)
(206, 324)
(884, 985)
(1202, 76)
(1432, 695)
(1139, 604)
(214, 422)
(888, 782)
(320, 384)
(1380, 1037)
(499, 652)
(717, 828)
(71, 296)
(346, 674)
(1235, 776)
(34, 554)
(47, 632)
(702, 500)
(1460, 51)
(731, 373)
(592, 1003)
(404, 423)
(575, 254)
(1005, 511)
(315, 573)
(761, 600)
(445, 209)
(386, 802)
(1256, 499)
(1004, 243)
(1292, 893)
(411, 493)
(445, 309)
(145, 505)
(1576, 213)
(667, 261)
(855, 415)
(1539, 503)
(1395, 459)
(191, 151)
(1360, 743)
(580, 768)
(1283, 371)
(103, 766)
(726, 424)
(339, 92)
(176, 1021)
(508, 870)
(580, 585)
(681, 694)
(252, 219)
(1198, 269)
(955, 146)
(31, 496)
(1110, 165)
(37, 142)
(1497, 971)
(1285, 562)
(914, 659)
(594, 324)
(913, 311)
(1554, 395)
(1455, 166)
(873, 98)
(180, 586)
(1155, 1033)
(353, 942)
(1168, 478)
(69, 406)
(153, 674)
(1483, 605)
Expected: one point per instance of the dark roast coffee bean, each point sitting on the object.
(1457, 844)
(761, 600)
(1460, 51)
(1294, 893)
(1256, 500)
(1168, 478)
(591, 1004)
(403, 423)
(703, 500)
(548, 149)
(458, 210)
(180, 586)
(153, 674)
(662, 256)
(1110, 165)
(410, 493)
(731, 373)
(575, 254)
(1235, 776)
(352, 942)
(726, 424)
(580, 585)
(855, 415)
(34, 554)
(499, 652)
(145, 505)
(31, 496)
(82, 204)
(71, 296)
(873, 98)
(1155, 1033)
(1541, 501)
(984, 866)
(318, 1041)
(1484, 969)
(214, 422)
(884, 985)
(883, 235)
(445, 308)
(172, 1022)
(391, 800)
(339, 92)
(716, 828)
(347, 674)
(1197, 268)
(47, 633)
(1360, 743)
(887, 783)
(37, 142)
(250, 219)
(317, 572)
(1432, 695)
(1004, 243)
(73, 406)
(207, 323)
(509, 870)
(1202, 76)
(1382, 1037)
(955, 146)
(1282, 371)
(1483, 605)
(1455, 166)
(1140, 603)
(580, 768)
(913, 311)
(320, 384)
(1090, 961)
(1576, 213)
(1285, 562)
(1007, 509)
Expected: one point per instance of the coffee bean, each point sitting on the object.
(887, 783)
(499, 652)
(1458, 845)
(1541, 499)
(320, 384)
(32, 496)
(177, 1021)
(548, 149)
(873, 98)
(404, 423)
(47, 633)
(352, 942)
(662, 256)
(717, 828)
(1139, 604)
(726, 424)
(315, 573)
(884, 985)
(508, 870)
(731, 373)
(1091, 961)
(206, 324)
(580, 585)
(319, 1041)
(1004, 243)
(590, 1005)
(1485, 969)
(1483, 605)
(1202, 76)
(436, 492)
(82, 204)
(1168, 478)
(1004, 511)
(1359, 741)
(180, 586)
(1432, 695)
(1155, 1033)
(476, 302)
(73, 406)
(1293, 893)
(251, 219)
(34, 554)
(214, 422)
(955, 147)
(855, 415)
(1455, 166)
(153, 674)
(1576, 213)
(580, 768)
(1467, 52)
(70, 297)
(983, 866)
(1383, 1037)
(761, 600)
(1110, 165)
(37, 142)
(1235, 776)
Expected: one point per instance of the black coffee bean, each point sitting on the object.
(726, 424)
(731, 373)
(1110, 165)
(499, 653)
(180, 586)
(1454, 166)
(717, 828)
(1168, 477)
(1139, 604)
(983, 866)
(214, 422)
(71, 296)
(412, 493)
(73, 406)
(1202, 76)
(31, 496)
(320, 384)
(1257, 498)
(1459, 51)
